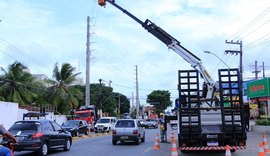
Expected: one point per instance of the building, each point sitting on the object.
(258, 91)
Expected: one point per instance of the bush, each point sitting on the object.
(263, 122)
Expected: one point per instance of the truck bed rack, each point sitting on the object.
(210, 124)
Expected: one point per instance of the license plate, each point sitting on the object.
(124, 137)
(212, 143)
(19, 138)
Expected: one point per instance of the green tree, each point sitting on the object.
(61, 93)
(123, 101)
(16, 83)
(103, 98)
(160, 99)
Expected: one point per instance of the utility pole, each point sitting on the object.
(236, 52)
(99, 97)
(263, 70)
(119, 104)
(88, 53)
(110, 83)
(137, 95)
(256, 71)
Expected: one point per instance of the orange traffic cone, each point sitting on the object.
(156, 145)
(261, 150)
(228, 150)
(174, 149)
(265, 145)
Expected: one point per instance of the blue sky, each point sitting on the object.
(41, 33)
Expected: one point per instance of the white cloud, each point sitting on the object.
(46, 32)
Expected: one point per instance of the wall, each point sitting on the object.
(10, 113)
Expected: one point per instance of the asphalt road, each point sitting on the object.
(101, 145)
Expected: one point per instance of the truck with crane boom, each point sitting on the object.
(205, 122)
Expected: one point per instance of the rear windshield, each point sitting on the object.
(125, 123)
(103, 121)
(23, 126)
(71, 123)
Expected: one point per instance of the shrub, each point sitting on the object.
(264, 122)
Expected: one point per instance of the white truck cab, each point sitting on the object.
(105, 124)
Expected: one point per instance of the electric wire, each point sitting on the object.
(255, 20)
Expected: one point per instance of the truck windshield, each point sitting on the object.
(82, 115)
(103, 121)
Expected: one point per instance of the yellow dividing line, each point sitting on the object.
(90, 136)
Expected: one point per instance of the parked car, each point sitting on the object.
(142, 122)
(105, 124)
(76, 127)
(128, 130)
(126, 116)
(151, 123)
(40, 136)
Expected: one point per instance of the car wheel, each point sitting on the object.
(67, 145)
(86, 132)
(77, 133)
(43, 150)
(143, 139)
(114, 142)
(137, 142)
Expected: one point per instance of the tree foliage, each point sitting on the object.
(18, 85)
(15, 84)
(161, 99)
(62, 95)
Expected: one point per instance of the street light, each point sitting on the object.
(209, 52)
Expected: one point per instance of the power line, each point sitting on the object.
(256, 19)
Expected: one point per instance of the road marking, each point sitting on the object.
(148, 149)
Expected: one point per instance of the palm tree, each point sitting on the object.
(62, 94)
(15, 84)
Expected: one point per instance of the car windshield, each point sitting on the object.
(125, 123)
(150, 120)
(23, 126)
(82, 115)
(71, 123)
(103, 121)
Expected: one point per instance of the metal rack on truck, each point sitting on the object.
(211, 124)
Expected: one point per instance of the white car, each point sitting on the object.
(128, 130)
(105, 124)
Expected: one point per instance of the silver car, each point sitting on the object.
(128, 130)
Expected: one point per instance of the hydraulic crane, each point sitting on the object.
(172, 43)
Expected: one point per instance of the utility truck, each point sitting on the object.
(87, 113)
(209, 117)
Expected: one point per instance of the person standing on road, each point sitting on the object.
(246, 117)
(4, 151)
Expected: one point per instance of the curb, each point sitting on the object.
(260, 128)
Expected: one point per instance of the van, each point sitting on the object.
(105, 124)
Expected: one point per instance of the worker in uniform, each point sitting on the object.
(163, 134)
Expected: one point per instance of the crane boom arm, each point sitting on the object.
(173, 44)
